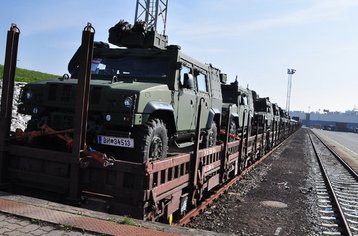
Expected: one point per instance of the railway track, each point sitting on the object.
(337, 191)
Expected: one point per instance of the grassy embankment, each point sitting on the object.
(23, 75)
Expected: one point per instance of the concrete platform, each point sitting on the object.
(22, 215)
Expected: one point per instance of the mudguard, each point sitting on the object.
(156, 105)
(214, 112)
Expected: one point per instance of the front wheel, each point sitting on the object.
(151, 141)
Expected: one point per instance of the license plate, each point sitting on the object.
(115, 141)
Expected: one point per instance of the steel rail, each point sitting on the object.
(343, 162)
(346, 228)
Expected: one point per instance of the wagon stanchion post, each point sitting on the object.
(267, 138)
(7, 95)
(276, 132)
(241, 145)
(195, 158)
(263, 144)
(247, 131)
(249, 121)
(272, 143)
(81, 109)
(224, 158)
(257, 133)
(279, 131)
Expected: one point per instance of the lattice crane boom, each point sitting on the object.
(153, 12)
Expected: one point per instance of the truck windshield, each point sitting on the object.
(261, 106)
(130, 66)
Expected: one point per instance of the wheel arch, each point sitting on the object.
(235, 118)
(167, 117)
(214, 116)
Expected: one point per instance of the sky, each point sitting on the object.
(255, 40)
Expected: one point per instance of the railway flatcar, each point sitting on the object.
(68, 151)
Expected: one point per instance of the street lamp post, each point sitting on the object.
(290, 72)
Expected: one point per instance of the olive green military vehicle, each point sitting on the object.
(242, 107)
(275, 113)
(143, 98)
(284, 117)
(263, 114)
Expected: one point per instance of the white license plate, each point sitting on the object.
(115, 141)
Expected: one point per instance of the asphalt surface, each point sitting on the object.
(348, 140)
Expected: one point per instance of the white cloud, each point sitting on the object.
(320, 10)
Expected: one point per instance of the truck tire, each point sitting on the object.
(152, 141)
(210, 137)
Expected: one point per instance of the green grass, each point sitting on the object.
(23, 75)
(127, 221)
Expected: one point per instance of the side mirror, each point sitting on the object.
(188, 81)
(178, 65)
(223, 78)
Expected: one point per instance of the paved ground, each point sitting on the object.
(17, 226)
(347, 140)
(23, 215)
(344, 144)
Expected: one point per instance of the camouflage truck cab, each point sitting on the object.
(242, 107)
(142, 100)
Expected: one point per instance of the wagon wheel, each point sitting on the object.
(241, 166)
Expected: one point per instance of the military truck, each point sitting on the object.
(284, 115)
(263, 116)
(242, 108)
(284, 118)
(144, 97)
(275, 113)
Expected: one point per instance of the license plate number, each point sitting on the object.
(115, 141)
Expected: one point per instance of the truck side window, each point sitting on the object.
(243, 100)
(184, 70)
(201, 82)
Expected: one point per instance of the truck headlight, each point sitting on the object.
(108, 117)
(128, 102)
(35, 110)
(28, 94)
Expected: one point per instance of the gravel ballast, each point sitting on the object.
(277, 198)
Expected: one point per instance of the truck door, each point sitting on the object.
(201, 80)
(187, 100)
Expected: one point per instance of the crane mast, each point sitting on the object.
(151, 12)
